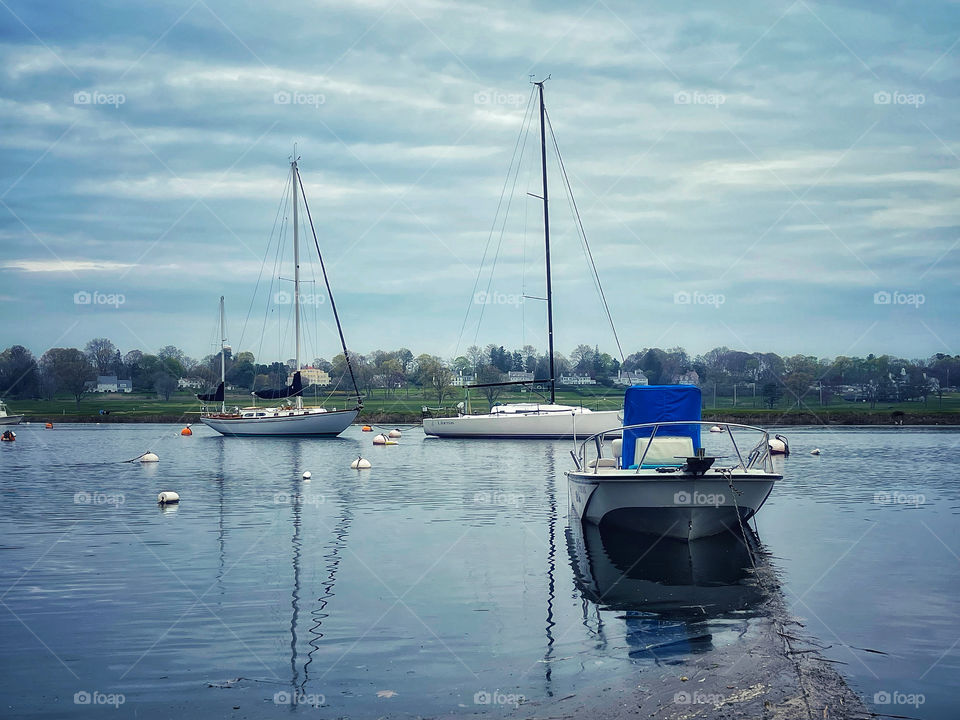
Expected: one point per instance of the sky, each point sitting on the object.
(769, 176)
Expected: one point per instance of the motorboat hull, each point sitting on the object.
(11, 419)
(544, 425)
(284, 423)
(677, 505)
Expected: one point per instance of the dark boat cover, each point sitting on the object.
(296, 388)
(214, 396)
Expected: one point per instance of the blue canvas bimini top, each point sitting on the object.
(659, 403)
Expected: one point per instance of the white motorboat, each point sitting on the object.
(6, 419)
(530, 420)
(289, 417)
(658, 478)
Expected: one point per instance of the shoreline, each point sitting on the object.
(761, 420)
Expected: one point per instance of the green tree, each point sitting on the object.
(70, 370)
(490, 374)
(102, 355)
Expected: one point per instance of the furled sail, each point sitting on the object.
(214, 396)
(295, 389)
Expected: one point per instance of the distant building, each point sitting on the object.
(311, 376)
(110, 383)
(691, 377)
(575, 379)
(194, 383)
(461, 379)
(633, 377)
(519, 376)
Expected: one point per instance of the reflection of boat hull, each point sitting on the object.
(674, 505)
(619, 569)
(544, 424)
(283, 423)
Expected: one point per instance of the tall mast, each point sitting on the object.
(223, 344)
(546, 242)
(296, 273)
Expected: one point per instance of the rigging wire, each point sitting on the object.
(333, 304)
(493, 226)
(503, 225)
(263, 264)
(583, 236)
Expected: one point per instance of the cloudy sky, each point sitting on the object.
(767, 176)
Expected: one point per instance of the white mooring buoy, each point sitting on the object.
(306, 475)
(395, 433)
(380, 439)
(148, 457)
(360, 464)
(815, 451)
(168, 497)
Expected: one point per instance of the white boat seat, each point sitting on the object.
(617, 446)
(602, 462)
(664, 450)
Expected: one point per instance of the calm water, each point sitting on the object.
(445, 580)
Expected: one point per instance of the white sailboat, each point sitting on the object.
(289, 417)
(6, 419)
(530, 420)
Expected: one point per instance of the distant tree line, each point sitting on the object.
(872, 379)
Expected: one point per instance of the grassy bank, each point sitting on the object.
(405, 406)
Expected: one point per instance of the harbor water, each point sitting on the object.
(448, 579)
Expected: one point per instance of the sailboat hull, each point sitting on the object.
(284, 424)
(539, 426)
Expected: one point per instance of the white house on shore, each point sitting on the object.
(575, 379)
(631, 377)
(110, 383)
(691, 377)
(192, 383)
(311, 376)
(462, 379)
(519, 376)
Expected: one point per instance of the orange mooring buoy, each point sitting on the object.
(49, 426)
(186, 431)
(366, 428)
